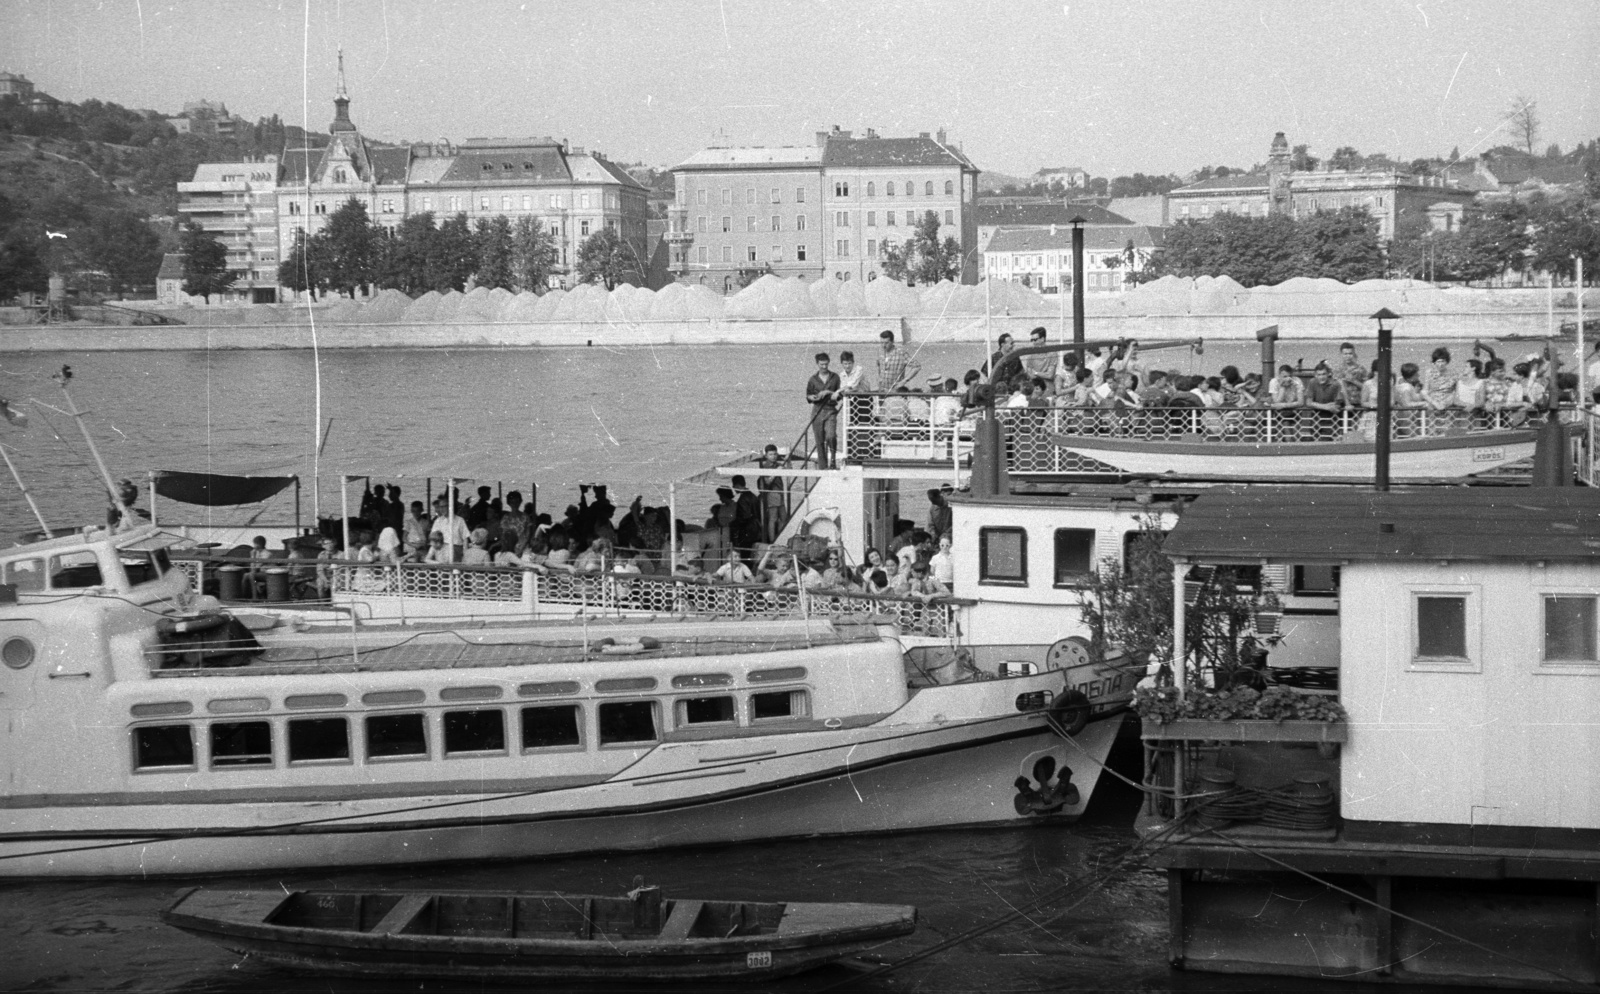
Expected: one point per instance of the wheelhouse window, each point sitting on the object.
(1074, 556)
(474, 731)
(551, 727)
(1569, 629)
(627, 721)
(1441, 627)
(241, 743)
(391, 736)
(163, 747)
(1003, 556)
(706, 711)
(313, 740)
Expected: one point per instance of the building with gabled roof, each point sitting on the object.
(1042, 257)
(993, 216)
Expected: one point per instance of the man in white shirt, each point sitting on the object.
(452, 527)
(942, 565)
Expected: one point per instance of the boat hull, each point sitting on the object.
(951, 775)
(1444, 457)
(806, 936)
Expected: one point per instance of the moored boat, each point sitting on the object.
(504, 936)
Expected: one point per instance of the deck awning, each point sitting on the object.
(216, 489)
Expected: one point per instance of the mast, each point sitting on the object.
(63, 378)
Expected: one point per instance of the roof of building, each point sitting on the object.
(855, 153)
(1312, 524)
(1014, 215)
(1150, 209)
(389, 164)
(795, 156)
(1094, 239)
(171, 266)
(506, 165)
(295, 164)
(1222, 184)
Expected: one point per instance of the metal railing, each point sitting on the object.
(600, 592)
(1031, 449)
(903, 426)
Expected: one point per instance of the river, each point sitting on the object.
(635, 418)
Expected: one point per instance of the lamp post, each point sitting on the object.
(1077, 280)
(1384, 317)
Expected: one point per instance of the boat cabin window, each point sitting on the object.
(1569, 629)
(240, 743)
(391, 736)
(705, 711)
(1003, 556)
(1441, 627)
(474, 731)
(318, 740)
(25, 574)
(551, 727)
(75, 569)
(1316, 581)
(144, 565)
(627, 721)
(778, 704)
(1074, 555)
(158, 747)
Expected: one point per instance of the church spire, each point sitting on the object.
(341, 102)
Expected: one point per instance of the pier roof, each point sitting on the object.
(1314, 524)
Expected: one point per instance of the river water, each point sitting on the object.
(635, 418)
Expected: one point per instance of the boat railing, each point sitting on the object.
(875, 427)
(557, 591)
(1031, 446)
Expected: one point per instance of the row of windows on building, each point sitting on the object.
(841, 188)
(841, 219)
(1308, 205)
(1445, 629)
(475, 732)
(453, 204)
(842, 249)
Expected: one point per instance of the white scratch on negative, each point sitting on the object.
(1453, 76)
(722, 7)
(603, 426)
(851, 776)
(1425, 22)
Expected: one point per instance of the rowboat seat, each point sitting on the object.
(402, 915)
(682, 920)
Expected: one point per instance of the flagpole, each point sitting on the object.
(26, 493)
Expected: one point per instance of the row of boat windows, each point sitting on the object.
(474, 732)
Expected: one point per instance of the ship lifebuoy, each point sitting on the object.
(191, 626)
(1071, 708)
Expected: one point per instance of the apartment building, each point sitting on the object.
(825, 211)
(237, 203)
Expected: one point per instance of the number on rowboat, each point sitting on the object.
(757, 961)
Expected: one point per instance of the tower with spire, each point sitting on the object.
(341, 102)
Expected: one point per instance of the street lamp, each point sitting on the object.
(1385, 319)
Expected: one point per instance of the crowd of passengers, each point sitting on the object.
(734, 546)
(1121, 378)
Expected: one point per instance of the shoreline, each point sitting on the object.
(788, 331)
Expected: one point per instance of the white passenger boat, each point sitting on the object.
(147, 731)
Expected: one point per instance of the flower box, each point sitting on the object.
(1245, 730)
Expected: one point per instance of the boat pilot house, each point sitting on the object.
(1467, 842)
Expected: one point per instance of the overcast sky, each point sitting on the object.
(1115, 87)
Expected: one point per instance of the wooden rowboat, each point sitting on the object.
(500, 935)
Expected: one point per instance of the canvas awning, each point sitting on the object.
(217, 490)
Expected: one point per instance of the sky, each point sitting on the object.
(1114, 87)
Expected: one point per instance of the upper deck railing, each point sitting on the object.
(602, 593)
(881, 427)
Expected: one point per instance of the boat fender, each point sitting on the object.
(622, 649)
(606, 641)
(649, 643)
(1071, 708)
(189, 626)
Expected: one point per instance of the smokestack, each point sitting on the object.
(940, 138)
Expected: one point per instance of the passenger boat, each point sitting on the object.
(148, 731)
(505, 936)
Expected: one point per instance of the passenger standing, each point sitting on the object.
(1044, 366)
(822, 393)
(1439, 382)
(416, 528)
(746, 519)
(895, 369)
(771, 495)
(515, 526)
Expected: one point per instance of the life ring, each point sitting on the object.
(1071, 708)
(191, 626)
